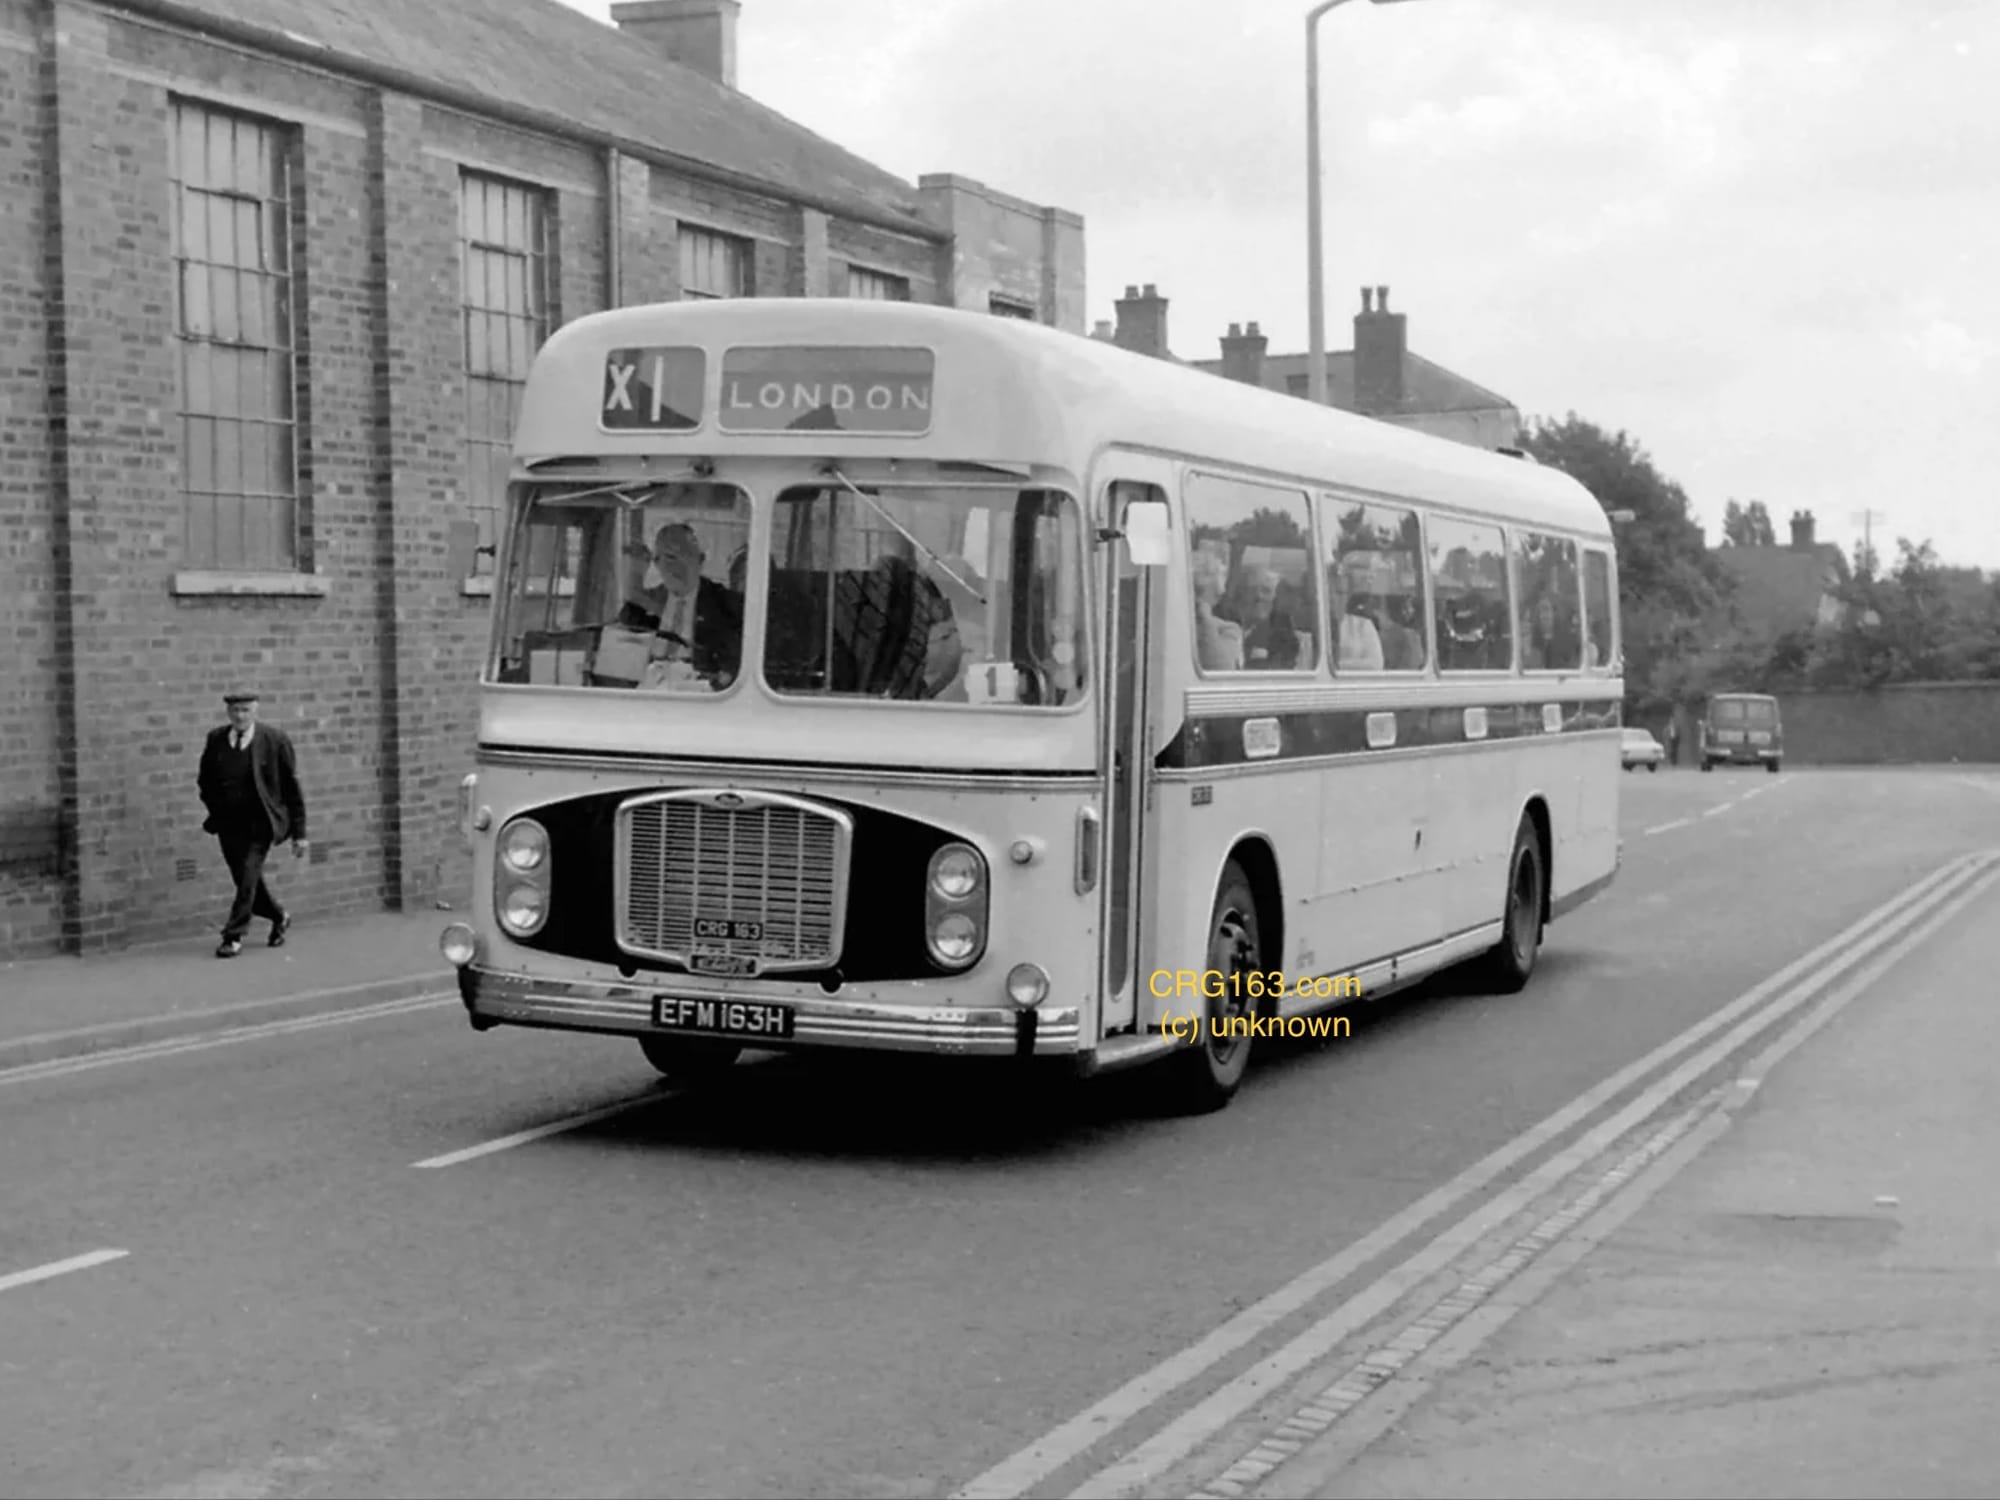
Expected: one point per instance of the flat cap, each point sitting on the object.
(234, 698)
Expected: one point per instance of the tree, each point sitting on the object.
(1748, 525)
(1671, 592)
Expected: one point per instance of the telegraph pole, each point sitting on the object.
(1866, 520)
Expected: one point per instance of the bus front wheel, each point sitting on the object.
(687, 1062)
(1207, 1069)
(1512, 959)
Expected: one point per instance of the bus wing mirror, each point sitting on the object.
(1146, 533)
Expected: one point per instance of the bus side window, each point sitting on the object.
(1374, 586)
(1597, 609)
(1470, 596)
(1551, 602)
(1252, 583)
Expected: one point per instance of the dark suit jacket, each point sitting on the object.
(274, 769)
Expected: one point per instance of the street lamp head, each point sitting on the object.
(1621, 515)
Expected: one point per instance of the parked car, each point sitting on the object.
(1639, 748)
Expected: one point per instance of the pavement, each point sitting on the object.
(61, 1007)
(393, 1256)
(1810, 1306)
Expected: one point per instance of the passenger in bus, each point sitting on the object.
(1270, 639)
(1218, 641)
(1357, 643)
(697, 621)
(1547, 640)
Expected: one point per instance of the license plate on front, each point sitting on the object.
(744, 1018)
(727, 930)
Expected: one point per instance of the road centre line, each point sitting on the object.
(541, 1132)
(1136, 1471)
(57, 1268)
(62, 1067)
(1021, 1471)
(1384, 1363)
(1666, 827)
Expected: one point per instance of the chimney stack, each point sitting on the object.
(1802, 530)
(1381, 339)
(1142, 322)
(1243, 354)
(1102, 330)
(700, 34)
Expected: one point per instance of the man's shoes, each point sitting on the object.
(230, 948)
(279, 928)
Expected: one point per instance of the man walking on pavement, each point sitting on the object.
(250, 785)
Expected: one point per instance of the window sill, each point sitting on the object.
(252, 585)
(476, 588)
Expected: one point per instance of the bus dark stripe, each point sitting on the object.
(1219, 740)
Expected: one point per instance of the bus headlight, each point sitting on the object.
(956, 870)
(955, 891)
(955, 938)
(524, 846)
(459, 944)
(522, 909)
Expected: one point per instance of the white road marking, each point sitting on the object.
(1717, 810)
(1667, 827)
(1385, 1364)
(1030, 1466)
(63, 1067)
(522, 1137)
(60, 1268)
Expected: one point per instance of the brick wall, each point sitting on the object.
(120, 644)
(1912, 723)
(30, 698)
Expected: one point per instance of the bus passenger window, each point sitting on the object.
(1252, 585)
(1374, 587)
(1597, 610)
(1551, 601)
(1468, 565)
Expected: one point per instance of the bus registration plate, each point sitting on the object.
(745, 1018)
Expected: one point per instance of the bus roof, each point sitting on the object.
(1009, 392)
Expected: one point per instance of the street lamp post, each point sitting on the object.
(1315, 272)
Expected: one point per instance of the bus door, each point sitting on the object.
(1131, 590)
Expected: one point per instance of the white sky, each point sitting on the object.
(1764, 239)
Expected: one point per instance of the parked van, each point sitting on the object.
(1742, 729)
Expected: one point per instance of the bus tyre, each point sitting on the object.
(1512, 959)
(1207, 1070)
(689, 1062)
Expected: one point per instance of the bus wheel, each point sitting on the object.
(1208, 1069)
(689, 1062)
(1512, 959)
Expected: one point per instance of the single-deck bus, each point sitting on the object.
(876, 675)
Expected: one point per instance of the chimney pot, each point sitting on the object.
(1151, 290)
(1131, 292)
(1236, 330)
(1367, 299)
(1254, 331)
(1381, 299)
(699, 34)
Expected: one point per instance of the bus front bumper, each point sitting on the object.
(496, 999)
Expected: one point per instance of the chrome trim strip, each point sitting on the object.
(953, 1030)
(1377, 757)
(723, 772)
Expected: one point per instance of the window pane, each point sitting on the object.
(1255, 590)
(201, 527)
(229, 551)
(1469, 587)
(1597, 608)
(1374, 587)
(229, 457)
(198, 456)
(1551, 603)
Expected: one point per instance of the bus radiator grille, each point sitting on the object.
(756, 882)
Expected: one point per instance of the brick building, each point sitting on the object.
(1379, 377)
(274, 272)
